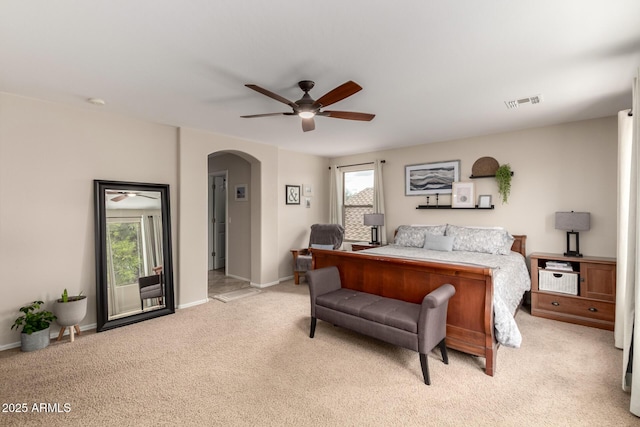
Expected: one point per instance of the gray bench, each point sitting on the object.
(418, 327)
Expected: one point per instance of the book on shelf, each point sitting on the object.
(559, 265)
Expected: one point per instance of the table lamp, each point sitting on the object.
(573, 222)
(374, 220)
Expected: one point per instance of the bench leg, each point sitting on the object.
(425, 368)
(312, 331)
(443, 351)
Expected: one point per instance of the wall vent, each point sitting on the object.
(535, 99)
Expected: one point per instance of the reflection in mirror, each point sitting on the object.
(133, 252)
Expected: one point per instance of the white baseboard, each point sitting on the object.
(264, 285)
(192, 304)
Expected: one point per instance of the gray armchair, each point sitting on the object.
(323, 236)
(150, 287)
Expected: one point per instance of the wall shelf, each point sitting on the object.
(484, 176)
(451, 207)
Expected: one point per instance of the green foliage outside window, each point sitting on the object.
(126, 254)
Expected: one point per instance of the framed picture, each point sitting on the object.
(241, 192)
(431, 178)
(307, 202)
(308, 191)
(292, 195)
(463, 195)
(484, 201)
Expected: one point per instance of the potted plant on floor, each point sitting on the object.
(35, 326)
(70, 310)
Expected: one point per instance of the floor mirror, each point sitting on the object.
(134, 274)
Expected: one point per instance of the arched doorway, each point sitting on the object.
(229, 221)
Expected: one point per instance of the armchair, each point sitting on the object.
(323, 236)
(150, 287)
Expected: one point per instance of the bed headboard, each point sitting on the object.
(520, 244)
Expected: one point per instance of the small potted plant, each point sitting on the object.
(503, 177)
(70, 310)
(35, 325)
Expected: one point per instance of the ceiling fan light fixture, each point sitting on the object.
(306, 114)
(131, 194)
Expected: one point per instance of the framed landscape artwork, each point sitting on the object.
(431, 178)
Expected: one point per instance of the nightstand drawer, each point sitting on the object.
(563, 306)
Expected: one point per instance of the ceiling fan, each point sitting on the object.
(307, 108)
(121, 195)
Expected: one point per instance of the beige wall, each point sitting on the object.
(294, 221)
(49, 156)
(572, 166)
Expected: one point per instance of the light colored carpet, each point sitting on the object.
(252, 363)
(237, 294)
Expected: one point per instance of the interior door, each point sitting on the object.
(219, 221)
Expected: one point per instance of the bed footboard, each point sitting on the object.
(470, 313)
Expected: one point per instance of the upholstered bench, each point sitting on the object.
(418, 327)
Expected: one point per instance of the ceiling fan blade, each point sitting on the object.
(348, 115)
(308, 124)
(272, 95)
(265, 115)
(148, 197)
(338, 94)
(118, 198)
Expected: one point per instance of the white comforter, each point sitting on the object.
(510, 281)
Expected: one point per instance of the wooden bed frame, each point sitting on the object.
(470, 326)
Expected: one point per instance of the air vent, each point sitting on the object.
(535, 99)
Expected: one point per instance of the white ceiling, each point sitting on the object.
(431, 70)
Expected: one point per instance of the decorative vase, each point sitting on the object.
(34, 341)
(72, 312)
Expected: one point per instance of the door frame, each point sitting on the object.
(211, 227)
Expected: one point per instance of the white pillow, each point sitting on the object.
(438, 243)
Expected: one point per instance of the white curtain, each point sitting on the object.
(627, 324)
(335, 196)
(378, 197)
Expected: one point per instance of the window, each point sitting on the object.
(357, 201)
(125, 261)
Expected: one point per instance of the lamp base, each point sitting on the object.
(374, 236)
(569, 252)
(573, 254)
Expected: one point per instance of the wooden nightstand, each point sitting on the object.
(591, 301)
(359, 246)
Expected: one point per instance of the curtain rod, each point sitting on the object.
(358, 164)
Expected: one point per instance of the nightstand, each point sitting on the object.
(585, 295)
(359, 246)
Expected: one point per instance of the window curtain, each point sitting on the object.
(335, 196)
(153, 242)
(378, 197)
(627, 320)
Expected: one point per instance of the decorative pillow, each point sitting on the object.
(495, 241)
(437, 230)
(410, 236)
(438, 243)
(318, 246)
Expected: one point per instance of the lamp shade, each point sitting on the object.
(374, 219)
(573, 221)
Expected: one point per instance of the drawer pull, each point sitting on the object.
(557, 275)
(556, 303)
(593, 309)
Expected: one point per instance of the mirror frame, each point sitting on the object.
(102, 308)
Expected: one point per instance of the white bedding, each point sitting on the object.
(510, 281)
